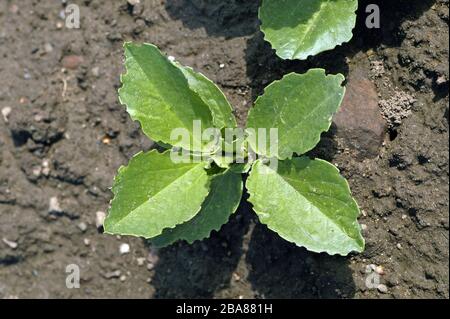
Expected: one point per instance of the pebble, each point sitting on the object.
(86, 241)
(222, 66)
(359, 122)
(48, 48)
(382, 288)
(124, 248)
(133, 2)
(45, 167)
(141, 261)
(14, 9)
(82, 226)
(364, 227)
(53, 205)
(95, 71)
(5, 112)
(152, 257)
(441, 80)
(112, 274)
(106, 140)
(171, 58)
(72, 62)
(150, 267)
(10, 244)
(37, 171)
(379, 270)
(99, 219)
(26, 75)
(399, 246)
(123, 278)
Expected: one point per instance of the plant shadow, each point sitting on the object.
(281, 270)
(229, 19)
(201, 269)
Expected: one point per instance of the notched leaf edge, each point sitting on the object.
(362, 247)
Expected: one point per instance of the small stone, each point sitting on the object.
(37, 171)
(141, 261)
(86, 241)
(150, 266)
(45, 167)
(99, 219)
(221, 65)
(364, 227)
(82, 226)
(106, 140)
(10, 244)
(38, 118)
(152, 257)
(14, 9)
(112, 274)
(441, 80)
(399, 246)
(379, 270)
(26, 75)
(72, 62)
(236, 277)
(48, 48)
(171, 58)
(359, 123)
(404, 216)
(133, 2)
(123, 278)
(53, 205)
(59, 25)
(96, 71)
(382, 288)
(124, 248)
(5, 112)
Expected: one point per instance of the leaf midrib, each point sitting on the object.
(311, 26)
(180, 120)
(312, 204)
(160, 191)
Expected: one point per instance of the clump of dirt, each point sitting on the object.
(397, 108)
(64, 134)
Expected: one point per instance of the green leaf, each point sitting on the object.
(301, 107)
(300, 28)
(212, 96)
(222, 201)
(308, 203)
(158, 95)
(152, 193)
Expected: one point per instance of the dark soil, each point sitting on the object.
(67, 134)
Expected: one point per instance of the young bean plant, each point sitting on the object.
(167, 197)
